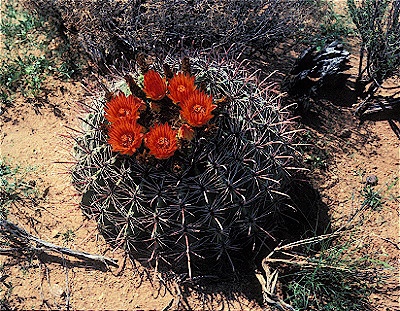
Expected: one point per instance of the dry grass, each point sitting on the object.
(108, 30)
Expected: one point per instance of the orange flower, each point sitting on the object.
(180, 87)
(161, 140)
(185, 132)
(154, 86)
(125, 136)
(121, 107)
(196, 110)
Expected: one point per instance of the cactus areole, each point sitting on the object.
(186, 172)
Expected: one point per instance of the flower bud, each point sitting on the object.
(185, 132)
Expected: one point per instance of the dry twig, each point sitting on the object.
(43, 246)
(268, 286)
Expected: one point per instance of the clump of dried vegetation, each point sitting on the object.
(378, 25)
(107, 30)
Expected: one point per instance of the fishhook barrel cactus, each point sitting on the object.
(192, 171)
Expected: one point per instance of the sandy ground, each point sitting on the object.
(33, 139)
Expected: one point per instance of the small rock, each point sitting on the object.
(346, 133)
(57, 290)
(372, 180)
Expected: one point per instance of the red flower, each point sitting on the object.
(161, 140)
(122, 107)
(196, 110)
(154, 86)
(180, 87)
(125, 136)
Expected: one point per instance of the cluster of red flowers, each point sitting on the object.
(126, 135)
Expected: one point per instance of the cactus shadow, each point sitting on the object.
(309, 216)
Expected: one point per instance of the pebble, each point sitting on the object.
(372, 180)
(57, 290)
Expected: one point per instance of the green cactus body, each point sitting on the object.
(220, 194)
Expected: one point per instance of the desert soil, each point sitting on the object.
(34, 138)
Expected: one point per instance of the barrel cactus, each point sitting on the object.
(216, 194)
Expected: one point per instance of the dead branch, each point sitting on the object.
(305, 263)
(268, 286)
(43, 246)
